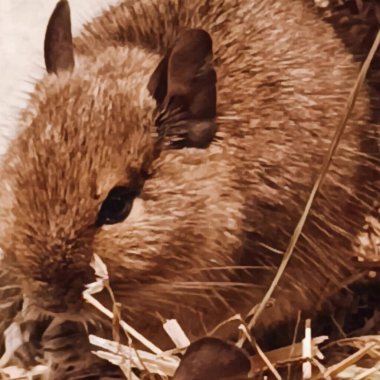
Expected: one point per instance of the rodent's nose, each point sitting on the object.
(57, 308)
(64, 298)
(62, 291)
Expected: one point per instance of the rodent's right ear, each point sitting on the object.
(184, 87)
(58, 46)
(158, 85)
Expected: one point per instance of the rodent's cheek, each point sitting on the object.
(123, 246)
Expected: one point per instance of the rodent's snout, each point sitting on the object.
(53, 270)
(61, 291)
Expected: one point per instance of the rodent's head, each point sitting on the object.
(91, 173)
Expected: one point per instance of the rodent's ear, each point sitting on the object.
(184, 87)
(58, 46)
(213, 359)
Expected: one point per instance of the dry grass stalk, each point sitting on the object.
(325, 166)
(175, 332)
(98, 286)
(307, 351)
(352, 359)
(163, 365)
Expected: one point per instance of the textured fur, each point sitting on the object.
(283, 81)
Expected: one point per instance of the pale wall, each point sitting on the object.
(22, 28)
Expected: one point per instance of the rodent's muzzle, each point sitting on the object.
(62, 293)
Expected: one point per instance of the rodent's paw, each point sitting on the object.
(23, 342)
(96, 372)
(26, 355)
(67, 350)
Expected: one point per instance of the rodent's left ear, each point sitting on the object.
(58, 46)
(184, 87)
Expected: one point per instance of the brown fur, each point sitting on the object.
(283, 81)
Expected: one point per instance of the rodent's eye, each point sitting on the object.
(116, 207)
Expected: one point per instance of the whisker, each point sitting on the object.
(232, 268)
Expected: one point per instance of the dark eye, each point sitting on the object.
(116, 206)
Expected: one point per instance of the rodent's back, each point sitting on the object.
(283, 81)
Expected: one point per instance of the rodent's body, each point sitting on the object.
(283, 81)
